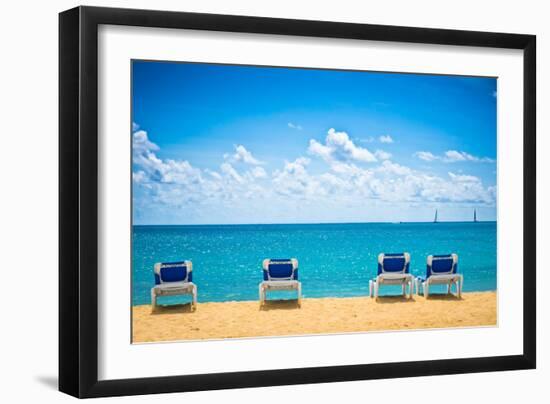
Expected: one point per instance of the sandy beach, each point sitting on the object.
(315, 316)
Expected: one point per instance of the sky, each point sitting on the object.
(229, 144)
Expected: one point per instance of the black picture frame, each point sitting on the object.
(78, 201)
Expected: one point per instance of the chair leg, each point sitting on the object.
(153, 298)
(370, 288)
(449, 288)
(426, 289)
(376, 290)
(194, 297)
(299, 294)
(260, 294)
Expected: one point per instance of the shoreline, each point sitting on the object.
(243, 319)
(307, 223)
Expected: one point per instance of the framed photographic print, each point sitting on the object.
(264, 201)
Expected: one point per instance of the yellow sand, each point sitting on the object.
(315, 316)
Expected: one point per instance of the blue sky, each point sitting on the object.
(243, 144)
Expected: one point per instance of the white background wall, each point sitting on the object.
(28, 202)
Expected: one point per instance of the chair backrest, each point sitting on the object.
(280, 269)
(441, 264)
(168, 272)
(394, 263)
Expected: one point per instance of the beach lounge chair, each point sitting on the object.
(173, 278)
(280, 274)
(441, 270)
(393, 269)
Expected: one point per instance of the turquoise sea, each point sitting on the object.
(335, 260)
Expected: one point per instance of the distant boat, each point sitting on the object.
(435, 218)
(475, 216)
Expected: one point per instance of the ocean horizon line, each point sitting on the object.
(310, 223)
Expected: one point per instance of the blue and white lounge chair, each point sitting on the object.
(441, 270)
(393, 269)
(173, 278)
(280, 274)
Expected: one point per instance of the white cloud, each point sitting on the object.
(369, 139)
(382, 155)
(320, 150)
(139, 177)
(345, 168)
(152, 168)
(294, 180)
(394, 182)
(294, 126)
(141, 143)
(231, 172)
(339, 147)
(343, 184)
(214, 174)
(385, 139)
(426, 156)
(463, 178)
(258, 172)
(243, 155)
(177, 183)
(159, 182)
(394, 168)
(452, 156)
